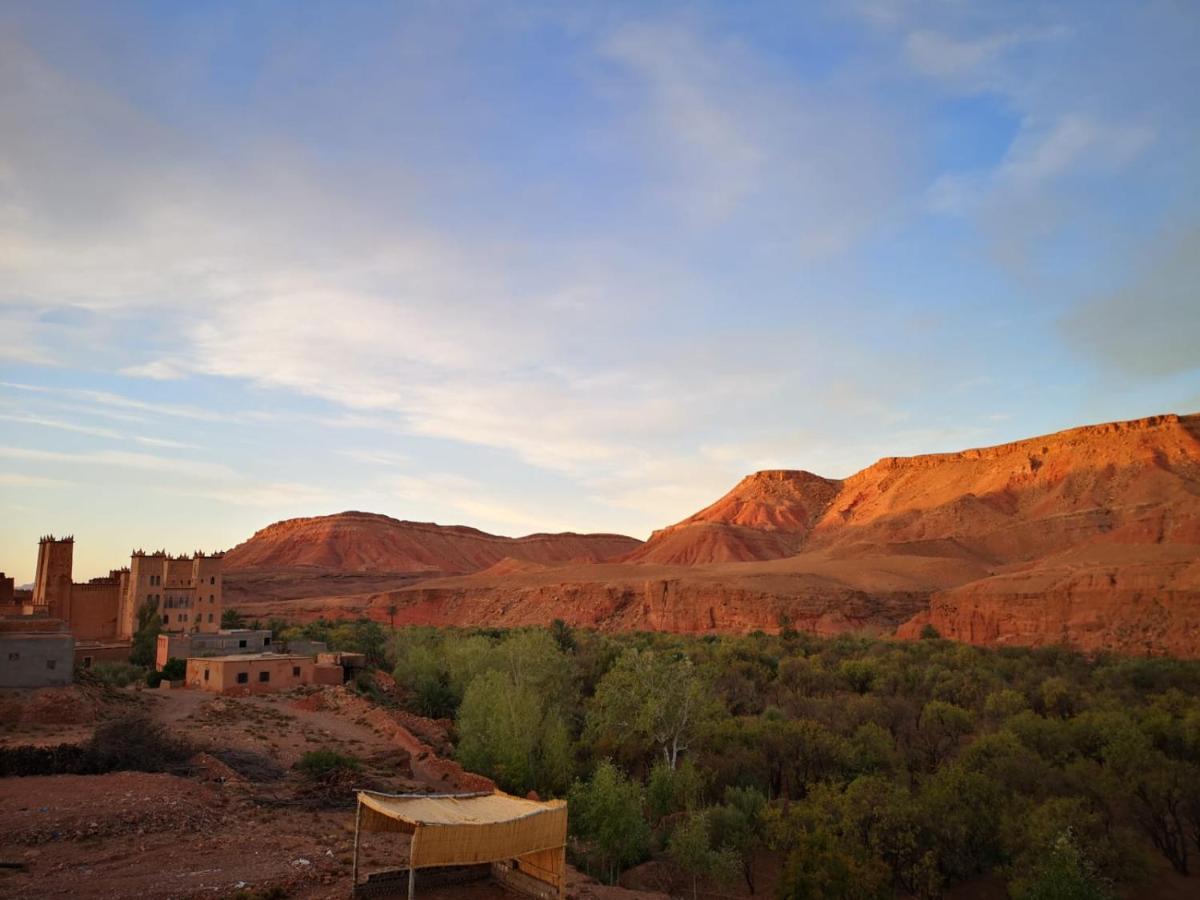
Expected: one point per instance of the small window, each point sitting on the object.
(210, 598)
(210, 617)
(13, 657)
(206, 674)
(87, 662)
(241, 643)
(264, 676)
(51, 663)
(243, 677)
(266, 642)
(166, 620)
(212, 579)
(295, 671)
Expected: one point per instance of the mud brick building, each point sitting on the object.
(185, 592)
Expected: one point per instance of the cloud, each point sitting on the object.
(121, 459)
(1072, 146)
(157, 370)
(271, 495)
(741, 142)
(13, 479)
(969, 62)
(1149, 327)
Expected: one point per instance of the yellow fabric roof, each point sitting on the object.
(466, 829)
(433, 809)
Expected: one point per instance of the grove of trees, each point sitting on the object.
(873, 768)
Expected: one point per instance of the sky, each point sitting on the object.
(569, 266)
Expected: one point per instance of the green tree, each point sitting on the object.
(940, 729)
(691, 848)
(231, 618)
(650, 701)
(499, 725)
(144, 648)
(822, 868)
(606, 813)
(737, 828)
(1063, 872)
(670, 791)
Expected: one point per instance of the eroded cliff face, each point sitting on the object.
(681, 606)
(1137, 600)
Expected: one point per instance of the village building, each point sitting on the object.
(255, 673)
(35, 652)
(184, 591)
(226, 642)
(7, 592)
(89, 653)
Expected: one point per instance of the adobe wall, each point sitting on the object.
(93, 608)
(220, 675)
(186, 646)
(52, 583)
(7, 591)
(33, 659)
(209, 603)
(90, 653)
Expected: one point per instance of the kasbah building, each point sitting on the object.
(185, 591)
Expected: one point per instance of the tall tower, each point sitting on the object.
(52, 584)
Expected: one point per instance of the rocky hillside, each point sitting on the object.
(767, 515)
(359, 542)
(1089, 536)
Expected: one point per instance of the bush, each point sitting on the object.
(327, 765)
(117, 674)
(174, 669)
(135, 742)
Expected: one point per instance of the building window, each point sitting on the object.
(243, 677)
(241, 643)
(210, 617)
(264, 676)
(51, 663)
(149, 598)
(212, 579)
(166, 620)
(87, 662)
(295, 671)
(13, 657)
(266, 642)
(210, 598)
(206, 674)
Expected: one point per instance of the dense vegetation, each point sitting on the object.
(875, 767)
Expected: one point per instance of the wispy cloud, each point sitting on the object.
(122, 459)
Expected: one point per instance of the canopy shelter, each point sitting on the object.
(466, 829)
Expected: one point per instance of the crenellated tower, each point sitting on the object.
(52, 583)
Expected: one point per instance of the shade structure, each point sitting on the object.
(467, 829)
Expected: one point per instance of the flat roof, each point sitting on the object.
(243, 657)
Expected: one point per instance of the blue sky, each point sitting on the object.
(568, 266)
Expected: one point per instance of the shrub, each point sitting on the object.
(117, 674)
(135, 742)
(327, 765)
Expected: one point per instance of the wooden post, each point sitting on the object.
(354, 869)
(412, 871)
